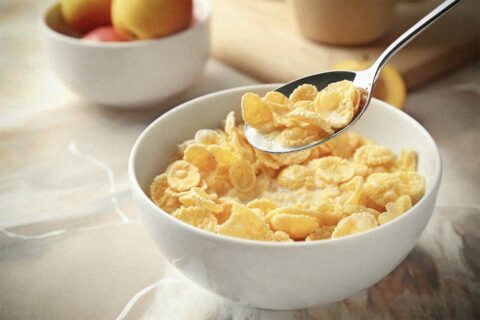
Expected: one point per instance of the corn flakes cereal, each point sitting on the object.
(256, 113)
(223, 156)
(379, 169)
(296, 226)
(305, 116)
(366, 202)
(382, 188)
(184, 145)
(373, 155)
(244, 223)
(322, 212)
(239, 145)
(276, 97)
(295, 136)
(283, 198)
(286, 159)
(338, 117)
(259, 213)
(208, 137)
(217, 181)
(406, 161)
(411, 184)
(280, 119)
(183, 176)
(246, 196)
(164, 196)
(395, 209)
(268, 172)
(335, 103)
(351, 191)
(304, 92)
(302, 209)
(304, 105)
(264, 205)
(333, 169)
(293, 177)
(242, 175)
(350, 209)
(196, 197)
(360, 169)
(328, 191)
(355, 223)
(266, 159)
(322, 232)
(328, 214)
(344, 145)
(227, 205)
(198, 155)
(158, 187)
(345, 186)
(281, 236)
(319, 151)
(279, 106)
(171, 202)
(197, 217)
(230, 123)
(310, 118)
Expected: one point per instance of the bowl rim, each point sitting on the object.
(195, 25)
(135, 186)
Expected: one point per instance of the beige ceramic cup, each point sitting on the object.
(343, 22)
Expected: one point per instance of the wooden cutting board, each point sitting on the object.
(260, 38)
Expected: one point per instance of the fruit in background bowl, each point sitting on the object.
(124, 74)
(147, 19)
(86, 15)
(104, 34)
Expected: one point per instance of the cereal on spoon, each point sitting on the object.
(307, 115)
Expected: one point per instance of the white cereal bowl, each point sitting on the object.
(281, 276)
(131, 74)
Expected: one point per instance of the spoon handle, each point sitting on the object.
(410, 34)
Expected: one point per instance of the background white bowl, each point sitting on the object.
(280, 275)
(128, 74)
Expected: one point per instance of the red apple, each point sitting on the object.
(104, 34)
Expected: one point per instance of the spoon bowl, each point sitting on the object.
(360, 80)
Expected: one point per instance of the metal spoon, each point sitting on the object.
(363, 80)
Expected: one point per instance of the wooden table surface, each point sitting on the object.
(71, 246)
